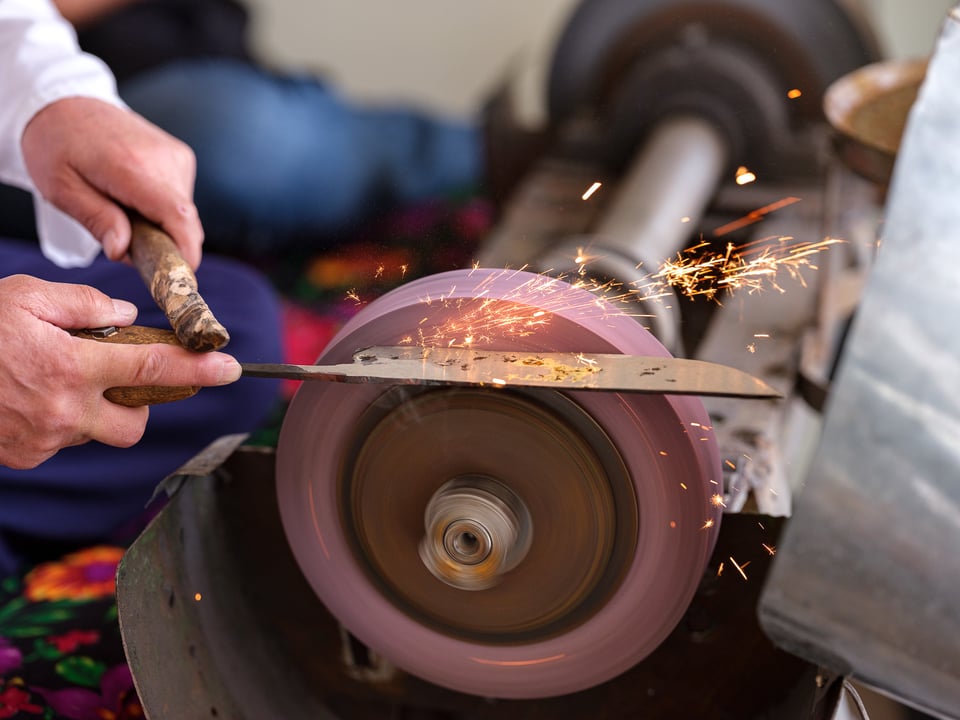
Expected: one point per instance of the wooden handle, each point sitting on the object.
(174, 287)
(144, 394)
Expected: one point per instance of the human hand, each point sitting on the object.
(52, 383)
(89, 158)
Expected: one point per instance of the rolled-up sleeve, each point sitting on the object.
(40, 62)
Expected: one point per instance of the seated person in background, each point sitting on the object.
(67, 473)
(282, 159)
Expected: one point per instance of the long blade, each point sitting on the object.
(557, 371)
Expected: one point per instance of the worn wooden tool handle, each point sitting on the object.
(144, 394)
(174, 287)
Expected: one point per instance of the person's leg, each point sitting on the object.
(284, 158)
(84, 492)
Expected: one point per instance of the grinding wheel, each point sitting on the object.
(500, 543)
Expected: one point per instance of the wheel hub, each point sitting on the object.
(461, 554)
(477, 529)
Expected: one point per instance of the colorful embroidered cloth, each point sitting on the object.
(60, 650)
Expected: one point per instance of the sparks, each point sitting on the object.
(754, 216)
(794, 93)
(739, 567)
(498, 381)
(720, 569)
(353, 295)
(532, 305)
(707, 524)
(730, 464)
(198, 597)
(753, 267)
(770, 549)
(591, 190)
(717, 500)
(744, 176)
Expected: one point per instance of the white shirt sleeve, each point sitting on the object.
(41, 62)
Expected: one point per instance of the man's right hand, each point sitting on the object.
(52, 383)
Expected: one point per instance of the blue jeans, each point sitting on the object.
(83, 493)
(282, 160)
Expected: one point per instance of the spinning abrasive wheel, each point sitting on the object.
(500, 543)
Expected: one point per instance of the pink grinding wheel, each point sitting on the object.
(664, 443)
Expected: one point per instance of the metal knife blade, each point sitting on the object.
(558, 371)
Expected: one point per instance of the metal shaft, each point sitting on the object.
(666, 189)
(661, 197)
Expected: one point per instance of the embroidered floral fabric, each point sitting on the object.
(60, 650)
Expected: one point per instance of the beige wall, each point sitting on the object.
(447, 54)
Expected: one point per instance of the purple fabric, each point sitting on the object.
(84, 492)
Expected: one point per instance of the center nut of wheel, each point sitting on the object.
(477, 529)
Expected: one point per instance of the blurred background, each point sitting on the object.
(449, 56)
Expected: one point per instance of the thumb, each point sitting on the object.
(160, 364)
(74, 306)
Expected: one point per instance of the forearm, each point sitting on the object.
(83, 12)
(41, 64)
(64, 136)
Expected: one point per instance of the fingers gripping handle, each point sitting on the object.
(174, 287)
(144, 394)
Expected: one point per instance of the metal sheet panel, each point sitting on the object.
(867, 579)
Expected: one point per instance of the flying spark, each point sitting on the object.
(739, 568)
(530, 307)
(753, 267)
(744, 176)
(591, 190)
(754, 216)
